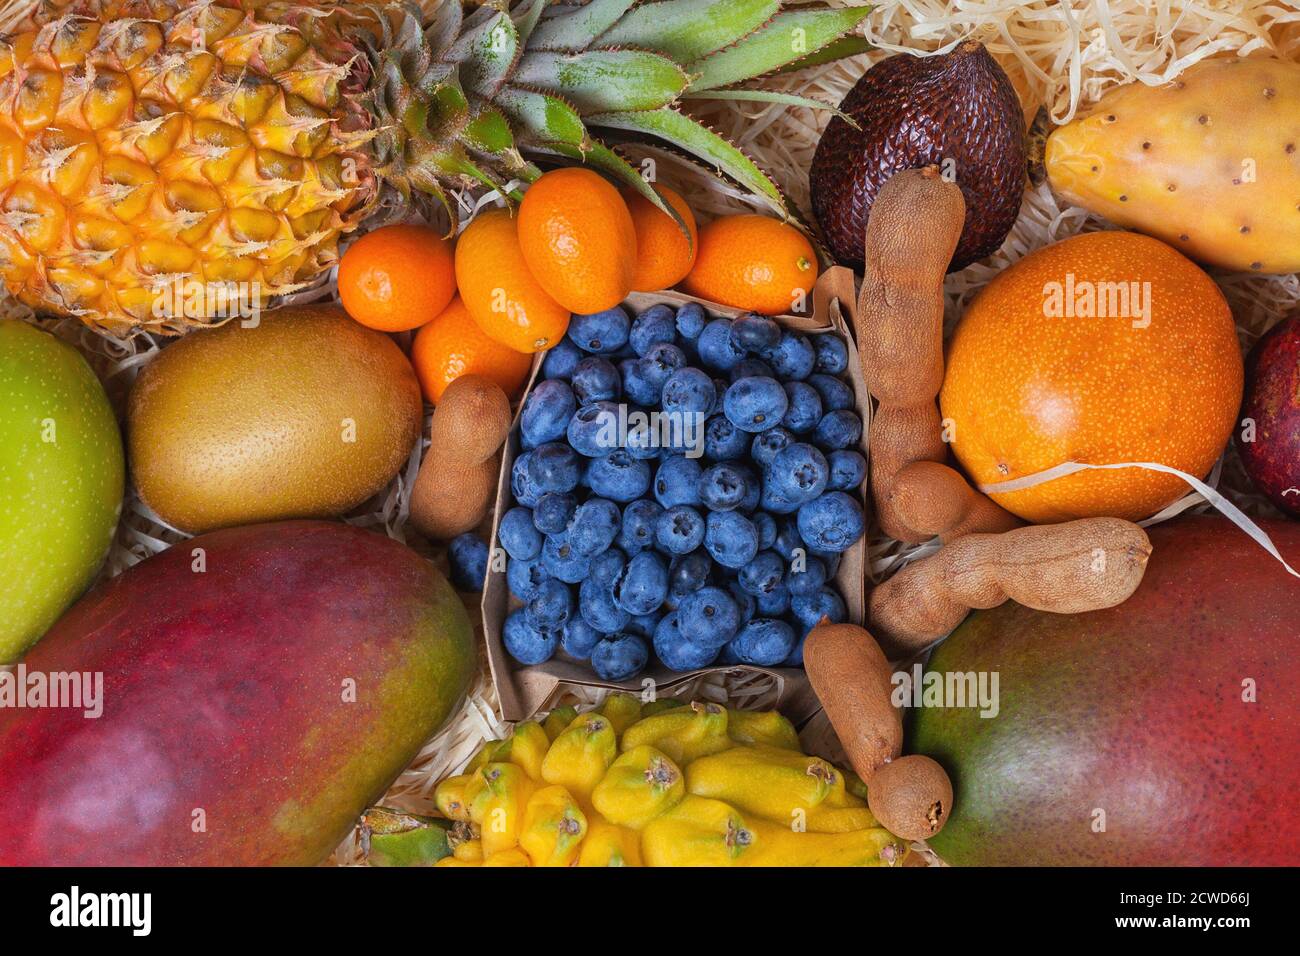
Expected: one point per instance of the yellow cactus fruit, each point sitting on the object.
(659, 784)
(554, 827)
(640, 785)
(683, 733)
(581, 755)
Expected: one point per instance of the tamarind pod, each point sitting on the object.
(934, 499)
(851, 677)
(899, 436)
(914, 226)
(1068, 568)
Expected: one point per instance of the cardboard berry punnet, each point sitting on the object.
(525, 691)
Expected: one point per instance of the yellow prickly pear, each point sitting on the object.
(776, 845)
(450, 797)
(609, 845)
(558, 720)
(497, 806)
(623, 710)
(581, 755)
(1210, 162)
(554, 827)
(768, 781)
(697, 832)
(683, 733)
(640, 785)
(762, 727)
(527, 748)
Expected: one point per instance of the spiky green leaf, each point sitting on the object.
(841, 49)
(487, 55)
(791, 36)
(686, 134)
(542, 117)
(443, 28)
(605, 80)
(772, 96)
(686, 30)
(527, 16)
(577, 30)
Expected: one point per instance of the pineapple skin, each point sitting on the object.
(1209, 163)
(150, 143)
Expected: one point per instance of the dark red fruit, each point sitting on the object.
(958, 112)
(1268, 438)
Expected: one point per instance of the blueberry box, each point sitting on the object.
(525, 690)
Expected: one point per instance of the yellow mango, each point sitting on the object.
(697, 832)
(609, 845)
(767, 781)
(623, 710)
(776, 845)
(449, 797)
(762, 727)
(683, 733)
(558, 720)
(511, 857)
(580, 756)
(639, 786)
(554, 827)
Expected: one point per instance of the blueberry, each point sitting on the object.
(562, 561)
(753, 333)
(596, 524)
(679, 530)
(468, 555)
(727, 656)
(793, 356)
(774, 499)
(675, 652)
(598, 607)
(554, 511)
(832, 354)
(638, 529)
(656, 324)
(525, 576)
(644, 585)
(764, 642)
(619, 657)
(832, 522)
(835, 395)
(751, 368)
(546, 413)
(607, 567)
(762, 575)
(716, 349)
(708, 616)
(619, 476)
(677, 481)
(745, 603)
(806, 577)
(795, 658)
(767, 444)
(561, 360)
(593, 429)
(775, 603)
(551, 607)
(755, 404)
(518, 535)
(787, 539)
(643, 625)
(596, 380)
(521, 485)
(688, 391)
(578, 637)
(659, 364)
(848, 470)
(691, 320)
(722, 487)
(799, 473)
(637, 382)
(765, 525)
(809, 609)
(805, 409)
(829, 558)
(723, 440)
(642, 439)
(601, 331)
(554, 467)
(838, 429)
(720, 387)
(730, 538)
(753, 488)
(525, 643)
(688, 572)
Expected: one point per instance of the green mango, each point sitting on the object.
(61, 482)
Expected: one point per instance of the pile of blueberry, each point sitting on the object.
(684, 484)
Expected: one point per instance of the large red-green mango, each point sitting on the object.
(1136, 712)
(262, 685)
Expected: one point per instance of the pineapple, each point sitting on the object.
(226, 145)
